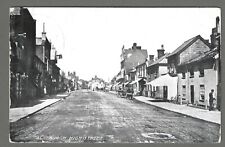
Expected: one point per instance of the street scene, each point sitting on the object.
(99, 117)
(110, 75)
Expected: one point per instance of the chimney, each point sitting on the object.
(161, 52)
(218, 24)
(134, 46)
(215, 33)
(44, 33)
(139, 47)
(207, 40)
(151, 57)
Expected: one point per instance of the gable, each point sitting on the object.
(194, 50)
(164, 61)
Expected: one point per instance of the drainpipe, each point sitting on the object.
(187, 90)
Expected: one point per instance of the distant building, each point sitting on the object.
(139, 76)
(96, 84)
(43, 52)
(72, 80)
(130, 58)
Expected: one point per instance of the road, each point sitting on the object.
(98, 117)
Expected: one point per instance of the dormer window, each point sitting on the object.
(191, 73)
(201, 72)
(183, 75)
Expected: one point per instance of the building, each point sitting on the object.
(130, 58)
(43, 52)
(63, 82)
(55, 77)
(96, 84)
(158, 85)
(46, 52)
(72, 80)
(39, 73)
(138, 78)
(215, 44)
(194, 64)
(22, 52)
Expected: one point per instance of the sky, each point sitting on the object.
(91, 39)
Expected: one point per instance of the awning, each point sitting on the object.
(133, 82)
(116, 84)
(164, 80)
(125, 84)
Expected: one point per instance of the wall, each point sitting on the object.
(209, 80)
(163, 70)
(137, 56)
(39, 52)
(193, 51)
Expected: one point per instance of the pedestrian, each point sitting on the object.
(211, 100)
(45, 91)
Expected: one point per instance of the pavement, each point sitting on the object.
(203, 114)
(18, 113)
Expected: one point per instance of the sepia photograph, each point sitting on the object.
(115, 75)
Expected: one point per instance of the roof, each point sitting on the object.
(133, 70)
(186, 44)
(141, 64)
(205, 56)
(15, 11)
(159, 60)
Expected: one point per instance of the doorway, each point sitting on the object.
(165, 92)
(192, 94)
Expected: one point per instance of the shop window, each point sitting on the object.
(202, 93)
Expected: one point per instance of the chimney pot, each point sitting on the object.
(134, 46)
(161, 52)
(151, 57)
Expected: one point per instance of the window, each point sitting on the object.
(183, 91)
(183, 75)
(191, 73)
(202, 93)
(201, 72)
(155, 75)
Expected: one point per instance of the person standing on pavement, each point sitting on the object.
(211, 98)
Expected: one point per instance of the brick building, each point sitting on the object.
(130, 58)
(194, 64)
(22, 51)
(43, 52)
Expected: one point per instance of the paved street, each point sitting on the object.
(90, 116)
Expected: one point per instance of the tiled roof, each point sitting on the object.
(205, 56)
(159, 60)
(187, 44)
